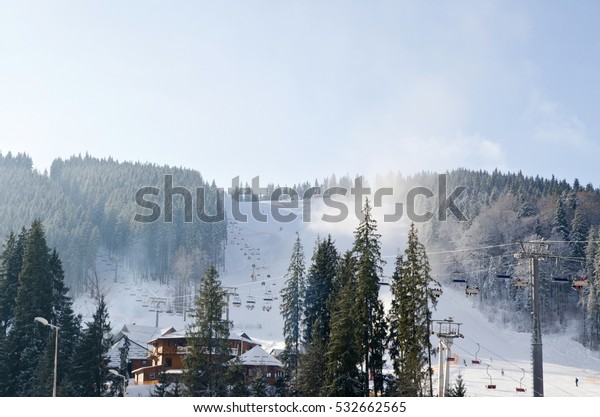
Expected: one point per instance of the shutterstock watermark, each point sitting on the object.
(285, 198)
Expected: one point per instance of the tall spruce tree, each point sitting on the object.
(410, 317)
(343, 377)
(27, 339)
(578, 235)
(292, 307)
(311, 368)
(560, 225)
(65, 318)
(378, 348)
(592, 300)
(208, 356)
(11, 262)
(89, 372)
(369, 269)
(236, 379)
(319, 284)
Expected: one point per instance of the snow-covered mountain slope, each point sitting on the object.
(267, 246)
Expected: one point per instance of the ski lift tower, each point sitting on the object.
(229, 291)
(446, 330)
(535, 251)
(157, 303)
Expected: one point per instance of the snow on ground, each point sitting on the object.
(268, 246)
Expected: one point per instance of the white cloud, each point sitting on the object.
(553, 124)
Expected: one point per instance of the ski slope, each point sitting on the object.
(267, 246)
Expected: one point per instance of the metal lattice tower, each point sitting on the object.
(446, 330)
(535, 251)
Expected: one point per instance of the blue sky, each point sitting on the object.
(298, 90)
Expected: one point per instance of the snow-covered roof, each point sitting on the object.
(174, 334)
(243, 337)
(136, 351)
(182, 334)
(257, 356)
(139, 337)
(276, 352)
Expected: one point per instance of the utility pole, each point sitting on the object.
(535, 251)
(446, 331)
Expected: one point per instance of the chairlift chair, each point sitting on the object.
(519, 283)
(268, 296)
(579, 284)
(457, 276)
(476, 361)
(471, 290)
(237, 302)
(491, 385)
(520, 387)
(384, 281)
(250, 302)
(436, 292)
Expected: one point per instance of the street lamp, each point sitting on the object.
(115, 373)
(56, 329)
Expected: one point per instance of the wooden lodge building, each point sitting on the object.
(168, 349)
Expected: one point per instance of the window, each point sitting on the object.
(168, 362)
(151, 375)
(269, 375)
(144, 362)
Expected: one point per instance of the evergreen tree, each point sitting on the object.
(11, 262)
(259, 386)
(459, 389)
(236, 377)
(592, 301)
(319, 284)
(410, 317)
(343, 378)
(89, 372)
(378, 348)
(162, 385)
(27, 339)
(66, 320)
(167, 385)
(367, 250)
(311, 369)
(292, 306)
(123, 368)
(4, 369)
(206, 362)
(578, 235)
(537, 228)
(560, 226)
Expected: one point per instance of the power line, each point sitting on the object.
(516, 366)
(493, 367)
(463, 250)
